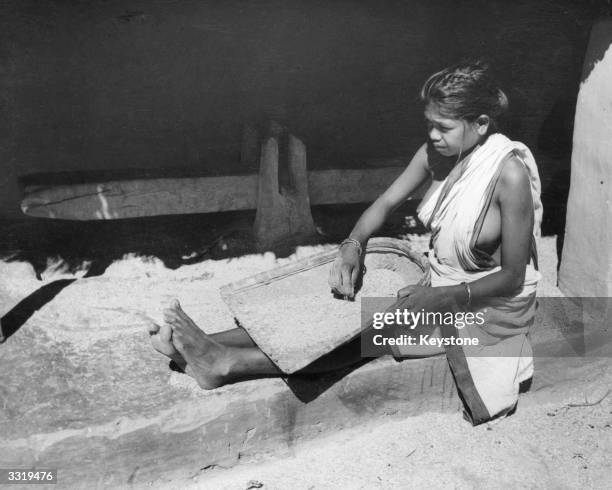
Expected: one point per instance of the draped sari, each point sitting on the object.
(487, 376)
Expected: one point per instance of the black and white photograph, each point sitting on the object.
(305, 244)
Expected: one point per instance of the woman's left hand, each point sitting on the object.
(422, 297)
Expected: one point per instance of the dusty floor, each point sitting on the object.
(560, 437)
(546, 444)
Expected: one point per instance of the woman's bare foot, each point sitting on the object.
(161, 340)
(207, 361)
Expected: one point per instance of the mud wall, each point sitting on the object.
(89, 85)
(586, 268)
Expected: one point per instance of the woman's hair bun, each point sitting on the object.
(466, 91)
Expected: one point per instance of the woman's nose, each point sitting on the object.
(434, 134)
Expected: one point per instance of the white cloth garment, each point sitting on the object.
(487, 376)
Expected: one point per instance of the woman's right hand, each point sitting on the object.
(345, 270)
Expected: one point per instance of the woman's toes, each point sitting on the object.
(152, 328)
(182, 315)
(165, 334)
(177, 309)
(170, 315)
(161, 346)
(161, 340)
(178, 342)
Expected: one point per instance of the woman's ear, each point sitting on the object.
(482, 124)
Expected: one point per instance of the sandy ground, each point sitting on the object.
(544, 445)
(560, 437)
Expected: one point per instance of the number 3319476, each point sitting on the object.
(9, 475)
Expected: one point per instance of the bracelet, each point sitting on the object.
(354, 242)
(469, 293)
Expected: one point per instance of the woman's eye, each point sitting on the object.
(442, 129)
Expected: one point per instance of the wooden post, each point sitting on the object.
(300, 217)
(283, 214)
(269, 224)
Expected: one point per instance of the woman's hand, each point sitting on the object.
(345, 270)
(424, 297)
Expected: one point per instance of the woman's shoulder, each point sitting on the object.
(513, 175)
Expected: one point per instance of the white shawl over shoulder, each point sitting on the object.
(454, 211)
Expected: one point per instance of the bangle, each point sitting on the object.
(469, 293)
(354, 242)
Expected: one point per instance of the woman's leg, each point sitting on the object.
(236, 337)
(217, 359)
(214, 363)
(214, 360)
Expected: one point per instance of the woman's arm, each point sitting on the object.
(346, 268)
(516, 209)
(410, 179)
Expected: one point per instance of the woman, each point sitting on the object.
(484, 212)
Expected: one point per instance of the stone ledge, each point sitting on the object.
(110, 413)
(245, 421)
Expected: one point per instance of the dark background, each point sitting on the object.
(109, 84)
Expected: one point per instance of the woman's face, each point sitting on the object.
(450, 136)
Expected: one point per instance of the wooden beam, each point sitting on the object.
(162, 196)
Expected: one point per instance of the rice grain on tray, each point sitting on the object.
(382, 283)
(296, 321)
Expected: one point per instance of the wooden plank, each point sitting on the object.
(350, 186)
(139, 198)
(153, 197)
